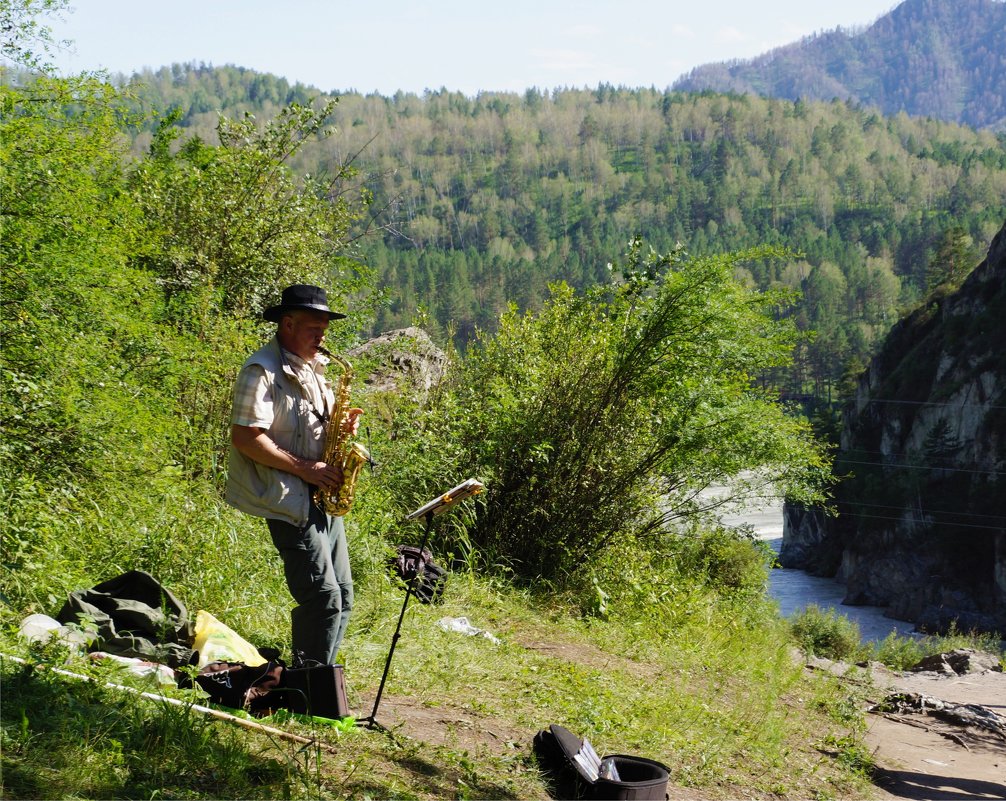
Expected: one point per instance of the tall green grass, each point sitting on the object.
(699, 680)
(827, 633)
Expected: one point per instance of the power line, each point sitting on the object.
(935, 403)
(892, 454)
(904, 466)
(933, 522)
(917, 509)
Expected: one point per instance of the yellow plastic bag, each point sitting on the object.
(215, 642)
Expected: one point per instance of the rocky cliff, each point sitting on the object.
(921, 523)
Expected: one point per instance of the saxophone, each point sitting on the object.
(351, 456)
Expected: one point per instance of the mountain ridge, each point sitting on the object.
(924, 58)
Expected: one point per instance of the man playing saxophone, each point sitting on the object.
(281, 413)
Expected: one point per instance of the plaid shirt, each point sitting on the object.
(253, 399)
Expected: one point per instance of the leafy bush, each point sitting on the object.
(827, 633)
(898, 653)
(130, 294)
(903, 653)
(729, 562)
(602, 416)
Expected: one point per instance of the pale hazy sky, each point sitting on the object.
(464, 45)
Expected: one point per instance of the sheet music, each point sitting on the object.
(463, 490)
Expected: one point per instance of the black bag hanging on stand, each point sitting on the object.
(425, 512)
(416, 566)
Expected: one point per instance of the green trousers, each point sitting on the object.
(316, 565)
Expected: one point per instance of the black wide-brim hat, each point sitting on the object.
(301, 296)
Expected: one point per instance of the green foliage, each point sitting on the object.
(952, 259)
(25, 38)
(731, 563)
(904, 653)
(851, 752)
(229, 226)
(69, 296)
(482, 201)
(129, 296)
(826, 633)
(603, 415)
(899, 653)
(702, 569)
(66, 738)
(226, 228)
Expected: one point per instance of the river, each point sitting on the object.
(794, 590)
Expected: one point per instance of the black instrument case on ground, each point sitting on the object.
(639, 777)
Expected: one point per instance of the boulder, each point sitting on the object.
(958, 662)
(403, 359)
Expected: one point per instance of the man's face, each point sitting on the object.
(302, 332)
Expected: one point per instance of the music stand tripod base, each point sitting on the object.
(427, 511)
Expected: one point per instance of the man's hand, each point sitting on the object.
(351, 422)
(259, 447)
(320, 474)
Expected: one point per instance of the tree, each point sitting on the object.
(940, 448)
(717, 173)
(82, 368)
(599, 419)
(826, 291)
(24, 38)
(952, 260)
(66, 286)
(230, 225)
(128, 295)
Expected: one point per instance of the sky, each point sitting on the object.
(461, 45)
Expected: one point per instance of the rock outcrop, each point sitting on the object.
(400, 360)
(921, 525)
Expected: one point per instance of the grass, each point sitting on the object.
(827, 633)
(722, 703)
(709, 684)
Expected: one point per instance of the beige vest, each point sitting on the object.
(265, 491)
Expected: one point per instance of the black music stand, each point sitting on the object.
(427, 511)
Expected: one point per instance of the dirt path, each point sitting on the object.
(922, 757)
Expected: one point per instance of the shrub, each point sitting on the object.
(826, 633)
(729, 562)
(600, 417)
(903, 653)
(898, 653)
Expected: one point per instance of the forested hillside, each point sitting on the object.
(481, 201)
(929, 58)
